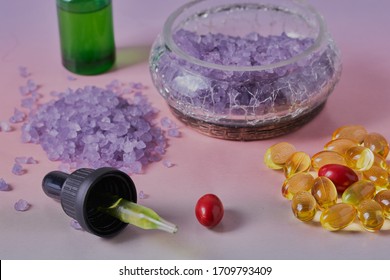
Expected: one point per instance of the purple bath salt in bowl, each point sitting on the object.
(245, 70)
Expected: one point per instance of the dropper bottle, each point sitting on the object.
(86, 35)
(103, 201)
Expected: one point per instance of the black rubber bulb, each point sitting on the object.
(80, 195)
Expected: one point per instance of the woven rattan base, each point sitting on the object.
(248, 133)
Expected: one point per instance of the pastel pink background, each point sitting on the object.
(258, 222)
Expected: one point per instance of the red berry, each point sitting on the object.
(342, 176)
(209, 210)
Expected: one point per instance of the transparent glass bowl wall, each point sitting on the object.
(246, 102)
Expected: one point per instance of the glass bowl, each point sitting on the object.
(245, 70)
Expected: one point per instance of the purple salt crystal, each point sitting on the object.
(140, 145)
(31, 85)
(21, 160)
(5, 126)
(137, 86)
(17, 169)
(88, 139)
(136, 167)
(75, 224)
(174, 132)
(17, 117)
(29, 88)
(25, 160)
(71, 78)
(28, 102)
(119, 129)
(154, 157)
(140, 99)
(55, 93)
(167, 123)
(167, 163)
(4, 186)
(142, 195)
(36, 96)
(129, 146)
(22, 205)
(160, 150)
(146, 137)
(114, 84)
(24, 90)
(23, 72)
(126, 91)
(26, 137)
(31, 160)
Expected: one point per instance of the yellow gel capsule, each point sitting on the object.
(338, 216)
(377, 143)
(370, 214)
(378, 176)
(340, 145)
(380, 162)
(327, 157)
(359, 158)
(358, 191)
(325, 192)
(383, 198)
(303, 205)
(353, 132)
(276, 156)
(297, 163)
(296, 183)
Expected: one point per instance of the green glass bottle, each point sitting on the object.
(86, 35)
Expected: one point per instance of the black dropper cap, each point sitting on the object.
(80, 195)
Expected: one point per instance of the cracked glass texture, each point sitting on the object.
(245, 64)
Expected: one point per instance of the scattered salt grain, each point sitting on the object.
(36, 96)
(17, 169)
(26, 160)
(167, 123)
(71, 78)
(23, 72)
(24, 91)
(31, 160)
(5, 126)
(55, 93)
(174, 132)
(29, 88)
(142, 195)
(31, 85)
(167, 163)
(138, 86)
(75, 224)
(114, 85)
(22, 205)
(28, 102)
(18, 116)
(4, 186)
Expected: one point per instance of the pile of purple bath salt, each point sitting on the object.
(95, 127)
(219, 92)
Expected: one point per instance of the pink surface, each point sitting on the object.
(258, 222)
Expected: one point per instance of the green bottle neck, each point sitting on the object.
(82, 6)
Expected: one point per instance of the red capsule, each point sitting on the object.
(342, 176)
(209, 210)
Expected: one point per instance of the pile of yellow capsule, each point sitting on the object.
(348, 180)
